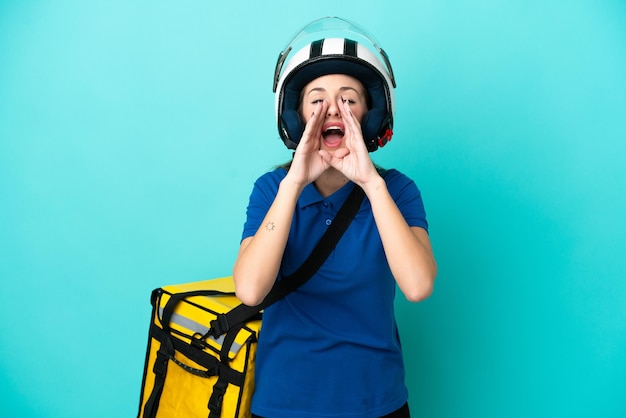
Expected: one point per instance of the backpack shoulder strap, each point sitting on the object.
(282, 288)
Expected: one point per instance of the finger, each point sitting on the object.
(352, 125)
(344, 106)
(320, 115)
(335, 159)
(310, 125)
(341, 153)
(326, 156)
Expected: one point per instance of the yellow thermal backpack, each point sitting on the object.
(188, 372)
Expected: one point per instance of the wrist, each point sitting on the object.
(373, 186)
(290, 186)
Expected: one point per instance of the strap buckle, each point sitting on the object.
(219, 326)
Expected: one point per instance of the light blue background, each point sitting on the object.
(131, 133)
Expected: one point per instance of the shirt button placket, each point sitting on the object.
(327, 212)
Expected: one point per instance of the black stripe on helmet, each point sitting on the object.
(349, 48)
(316, 48)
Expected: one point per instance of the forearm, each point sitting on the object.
(407, 249)
(260, 256)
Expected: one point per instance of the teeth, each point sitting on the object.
(333, 130)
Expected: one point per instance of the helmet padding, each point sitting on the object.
(374, 122)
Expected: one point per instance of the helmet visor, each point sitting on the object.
(330, 27)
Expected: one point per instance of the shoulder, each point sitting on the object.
(407, 196)
(272, 177)
(261, 198)
(398, 183)
(270, 181)
(391, 174)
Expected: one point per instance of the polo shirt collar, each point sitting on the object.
(310, 195)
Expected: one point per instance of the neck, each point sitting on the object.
(330, 181)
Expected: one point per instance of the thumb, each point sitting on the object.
(326, 156)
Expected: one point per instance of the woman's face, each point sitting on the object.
(333, 88)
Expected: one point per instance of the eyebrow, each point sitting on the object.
(321, 89)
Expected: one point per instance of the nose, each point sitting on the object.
(333, 109)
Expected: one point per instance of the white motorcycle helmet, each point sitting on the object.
(332, 45)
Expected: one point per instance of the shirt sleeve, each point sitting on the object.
(408, 198)
(261, 198)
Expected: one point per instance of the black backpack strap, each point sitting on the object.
(175, 299)
(282, 288)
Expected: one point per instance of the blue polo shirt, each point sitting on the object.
(331, 348)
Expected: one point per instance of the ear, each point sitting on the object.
(292, 128)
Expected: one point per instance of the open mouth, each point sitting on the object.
(333, 135)
(332, 131)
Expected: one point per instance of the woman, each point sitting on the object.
(331, 348)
